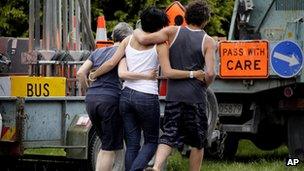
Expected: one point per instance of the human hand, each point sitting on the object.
(200, 75)
(92, 76)
(152, 74)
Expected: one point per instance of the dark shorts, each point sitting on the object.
(185, 123)
(104, 114)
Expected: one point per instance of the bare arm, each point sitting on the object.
(209, 49)
(163, 53)
(111, 63)
(124, 74)
(161, 36)
(82, 75)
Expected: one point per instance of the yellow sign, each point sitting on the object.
(25, 86)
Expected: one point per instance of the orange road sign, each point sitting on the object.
(176, 13)
(244, 59)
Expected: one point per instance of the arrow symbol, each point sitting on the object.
(291, 60)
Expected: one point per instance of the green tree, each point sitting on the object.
(14, 14)
(14, 18)
(220, 17)
(124, 10)
(129, 10)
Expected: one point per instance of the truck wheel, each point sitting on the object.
(269, 136)
(230, 146)
(94, 148)
(212, 113)
(296, 136)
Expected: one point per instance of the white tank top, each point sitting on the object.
(141, 62)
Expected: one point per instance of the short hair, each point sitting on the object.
(197, 13)
(153, 19)
(121, 31)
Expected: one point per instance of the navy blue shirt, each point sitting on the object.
(107, 84)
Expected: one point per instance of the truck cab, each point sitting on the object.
(260, 83)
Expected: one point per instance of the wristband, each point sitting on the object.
(191, 74)
(92, 80)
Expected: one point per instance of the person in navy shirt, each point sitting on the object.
(102, 99)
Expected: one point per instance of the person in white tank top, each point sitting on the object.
(141, 61)
(139, 105)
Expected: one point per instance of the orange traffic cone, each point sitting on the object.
(101, 33)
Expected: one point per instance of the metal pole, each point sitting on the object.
(54, 25)
(48, 24)
(31, 32)
(37, 24)
(77, 11)
(87, 25)
(64, 24)
(59, 24)
(233, 20)
(44, 25)
(71, 16)
(31, 25)
(84, 36)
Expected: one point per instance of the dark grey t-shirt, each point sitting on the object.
(107, 84)
(186, 54)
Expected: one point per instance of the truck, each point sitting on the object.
(260, 84)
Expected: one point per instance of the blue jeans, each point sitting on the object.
(140, 111)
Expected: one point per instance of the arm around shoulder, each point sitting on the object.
(168, 72)
(111, 63)
(156, 37)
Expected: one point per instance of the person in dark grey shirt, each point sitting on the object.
(102, 99)
(185, 120)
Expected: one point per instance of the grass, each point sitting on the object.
(248, 158)
(45, 151)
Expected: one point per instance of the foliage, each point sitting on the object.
(220, 19)
(14, 14)
(218, 25)
(13, 17)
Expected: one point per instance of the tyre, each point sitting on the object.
(212, 113)
(230, 146)
(295, 127)
(94, 148)
(269, 136)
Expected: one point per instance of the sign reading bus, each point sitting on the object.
(25, 86)
(244, 59)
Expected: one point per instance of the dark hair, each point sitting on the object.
(153, 19)
(197, 13)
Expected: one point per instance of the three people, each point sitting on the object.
(185, 112)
